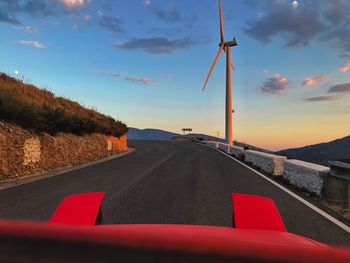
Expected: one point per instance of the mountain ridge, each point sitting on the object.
(320, 153)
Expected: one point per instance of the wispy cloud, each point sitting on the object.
(337, 92)
(170, 14)
(322, 98)
(157, 45)
(5, 17)
(136, 79)
(314, 80)
(345, 67)
(32, 43)
(145, 81)
(341, 88)
(29, 29)
(111, 23)
(146, 2)
(276, 86)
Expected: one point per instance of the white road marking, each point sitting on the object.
(300, 199)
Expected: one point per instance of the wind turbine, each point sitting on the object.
(226, 46)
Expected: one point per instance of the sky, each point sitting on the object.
(144, 62)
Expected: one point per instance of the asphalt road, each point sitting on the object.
(170, 183)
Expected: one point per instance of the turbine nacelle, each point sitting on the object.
(231, 43)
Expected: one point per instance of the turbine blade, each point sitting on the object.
(221, 24)
(212, 66)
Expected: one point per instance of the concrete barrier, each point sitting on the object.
(224, 147)
(237, 152)
(211, 143)
(308, 176)
(270, 163)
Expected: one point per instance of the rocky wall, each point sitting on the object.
(24, 153)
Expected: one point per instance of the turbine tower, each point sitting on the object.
(226, 46)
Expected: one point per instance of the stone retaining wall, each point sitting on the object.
(24, 153)
(305, 175)
(270, 163)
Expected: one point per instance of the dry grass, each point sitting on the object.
(39, 109)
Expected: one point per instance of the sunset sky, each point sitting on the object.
(144, 62)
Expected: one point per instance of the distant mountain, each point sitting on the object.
(149, 134)
(157, 134)
(321, 153)
(213, 138)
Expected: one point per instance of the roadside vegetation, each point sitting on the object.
(40, 110)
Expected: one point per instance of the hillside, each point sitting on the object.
(321, 153)
(149, 134)
(40, 110)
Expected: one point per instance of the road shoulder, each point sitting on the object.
(59, 171)
(315, 205)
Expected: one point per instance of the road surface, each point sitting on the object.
(166, 182)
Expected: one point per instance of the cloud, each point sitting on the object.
(299, 24)
(32, 43)
(87, 18)
(111, 23)
(82, 20)
(145, 81)
(170, 31)
(157, 45)
(11, 9)
(314, 80)
(336, 12)
(140, 80)
(345, 68)
(74, 3)
(10, 19)
(36, 8)
(341, 88)
(338, 92)
(146, 2)
(322, 98)
(339, 38)
(276, 86)
(169, 14)
(29, 29)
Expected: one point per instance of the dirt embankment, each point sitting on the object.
(24, 153)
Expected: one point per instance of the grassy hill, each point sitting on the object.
(321, 153)
(40, 110)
